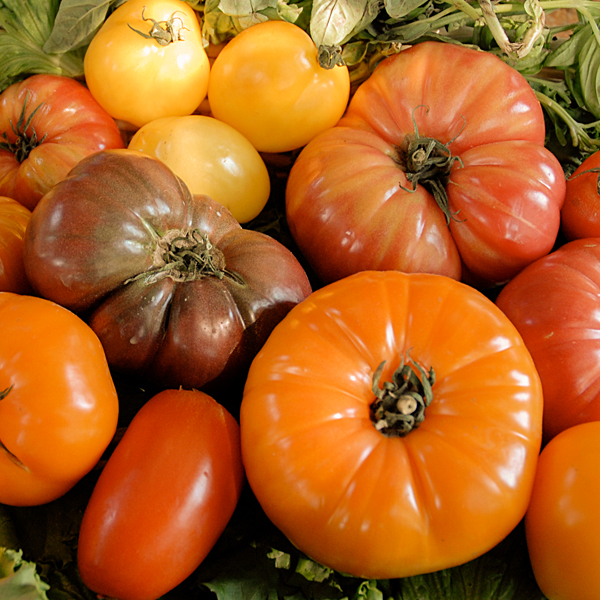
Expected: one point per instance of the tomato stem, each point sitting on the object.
(24, 143)
(399, 405)
(5, 392)
(163, 32)
(187, 256)
(428, 162)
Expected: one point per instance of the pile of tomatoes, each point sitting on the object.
(401, 380)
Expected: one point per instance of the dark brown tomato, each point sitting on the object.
(171, 283)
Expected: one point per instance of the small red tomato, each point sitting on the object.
(163, 499)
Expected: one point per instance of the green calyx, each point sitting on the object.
(428, 162)
(399, 405)
(24, 142)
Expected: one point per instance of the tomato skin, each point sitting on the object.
(554, 305)
(384, 507)
(14, 218)
(349, 203)
(580, 214)
(62, 410)
(212, 158)
(136, 79)
(163, 498)
(69, 123)
(96, 244)
(267, 83)
(562, 524)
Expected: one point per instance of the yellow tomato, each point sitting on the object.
(212, 158)
(267, 83)
(148, 61)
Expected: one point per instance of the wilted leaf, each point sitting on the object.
(332, 21)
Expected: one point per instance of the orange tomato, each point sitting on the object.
(328, 461)
(59, 406)
(14, 218)
(562, 524)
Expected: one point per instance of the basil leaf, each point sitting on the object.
(245, 8)
(397, 9)
(76, 23)
(566, 55)
(333, 21)
(589, 76)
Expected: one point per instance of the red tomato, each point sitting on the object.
(580, 214)
(14, 218)
(49, 123)
(175, 288)
(350, 200)
(555, 305)
(163, 499)
(562, 524)
(59, 406)
(352, 479)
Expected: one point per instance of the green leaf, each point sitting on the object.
(245, 8)
(75, 24)
(567, 54)
(397, 9)
(29, 19)
(332, 22)
(589, 76)
(19, 579)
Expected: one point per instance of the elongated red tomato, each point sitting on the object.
(58, 406)
(438, 166)
(14, 218)
(48, 124)
(562, 524)
(163, 499)
(422, 468)
(555, 305)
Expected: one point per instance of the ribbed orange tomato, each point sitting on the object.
(391, 424)
(13, 223)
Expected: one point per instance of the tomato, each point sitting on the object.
(361, 195)
(555, 305)
(148, 61)
(562, 524)
(163, 499)
(175, 288)
(267, 83)
(580, 214)
(212, 158)
(346, 471)
(14, 218)
(48, 124)
(58, 407)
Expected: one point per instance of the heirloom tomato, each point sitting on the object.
(163, 499)
(562, 524)
(14, 218)
(555, 305)
(580, 214)
(148, 61)
(437, 166)
(391, 424)
(172, 284)
(58, 403)
(48, 123)
(268, 84)
(212, 158)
